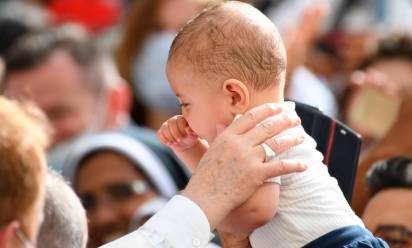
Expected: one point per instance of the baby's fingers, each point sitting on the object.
(161, 137)
(175, 131)
(183, 126)
(165, 135)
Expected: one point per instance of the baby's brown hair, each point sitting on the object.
(233, 40)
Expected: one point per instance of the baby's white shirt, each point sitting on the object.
(311, 203)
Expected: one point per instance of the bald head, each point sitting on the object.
(233, 40)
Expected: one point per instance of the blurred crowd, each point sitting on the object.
(96, 69)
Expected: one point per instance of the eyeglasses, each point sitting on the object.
(23, 239)
(114, 193)
(396, 236)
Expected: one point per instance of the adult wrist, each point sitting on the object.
(213, 209)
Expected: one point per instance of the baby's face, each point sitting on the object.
(202, 102)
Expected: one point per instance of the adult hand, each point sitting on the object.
(233, 168)
(380, 81)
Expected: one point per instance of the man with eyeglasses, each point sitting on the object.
(22, 174)
(388, 213)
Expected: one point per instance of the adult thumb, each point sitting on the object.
(277, 168)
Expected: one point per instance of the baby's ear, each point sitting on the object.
(237, 95)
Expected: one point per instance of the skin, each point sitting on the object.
(234, 97)
(8, 235)
(109, 220)
(389, 207)
(172, 15)
(398, 72)
(355, 47)
(56, 86)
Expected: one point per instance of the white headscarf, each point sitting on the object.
(141, 157)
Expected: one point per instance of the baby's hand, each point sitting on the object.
(177, 134)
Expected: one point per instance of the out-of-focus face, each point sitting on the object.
(355, 47)
(389, 216)
(57, 87)
(203, 103)
(172, 15)
(105, 186)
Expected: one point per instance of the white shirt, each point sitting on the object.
(311, 203)
(181, 223)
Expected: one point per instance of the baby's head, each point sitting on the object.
(228, 59)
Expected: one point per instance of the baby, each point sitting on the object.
(226, 61)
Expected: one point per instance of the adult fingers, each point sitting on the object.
(270, 127)
(253, 117)
(286, 140)
(277, 168)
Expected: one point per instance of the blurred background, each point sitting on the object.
(350, 58)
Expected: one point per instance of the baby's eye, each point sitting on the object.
(183, 105)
